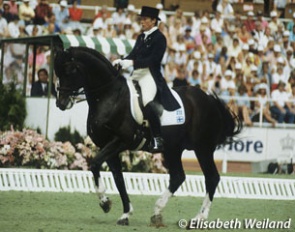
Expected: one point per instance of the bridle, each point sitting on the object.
(95, 92)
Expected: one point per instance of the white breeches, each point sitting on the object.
(147, 84)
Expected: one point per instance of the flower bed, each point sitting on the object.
(27, 148)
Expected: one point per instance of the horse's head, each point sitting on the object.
(69, 73)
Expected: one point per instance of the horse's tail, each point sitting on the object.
(232, 124)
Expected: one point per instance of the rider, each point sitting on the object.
(146, 58)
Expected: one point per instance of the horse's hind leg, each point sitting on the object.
(115, 166)
(212, 178)
(177, 177)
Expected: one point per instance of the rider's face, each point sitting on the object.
(147, 23)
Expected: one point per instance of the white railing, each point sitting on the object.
(143, 184)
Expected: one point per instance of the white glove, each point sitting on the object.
(125, 64)
(116, 62)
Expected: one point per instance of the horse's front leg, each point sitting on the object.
(116, 168)
(112, 149)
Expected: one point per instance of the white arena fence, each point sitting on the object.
(143, 184)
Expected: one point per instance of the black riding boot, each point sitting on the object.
(151, 114)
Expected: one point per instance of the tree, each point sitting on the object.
(12, 107)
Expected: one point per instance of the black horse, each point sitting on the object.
(209, 123)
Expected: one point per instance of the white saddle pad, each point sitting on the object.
(168, 118)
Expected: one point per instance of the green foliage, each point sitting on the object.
(64, 134)
(12, 107)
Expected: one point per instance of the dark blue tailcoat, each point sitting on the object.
(148, 53)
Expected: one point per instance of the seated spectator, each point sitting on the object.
(291, 23)
(118, 18)
(263, 102)
(40, 57)
(26, 12)
(278, 76)
(62, 15)
(13, 8)
(235, 48)
(244, 35)
(175, 29)
(110, 31)
(34, 30)
(162, 15)
(249, 22)
(195, 78)
(170, 73)
(229, 97)
(40, 87)
(100, 22)
(227, 80)
(261, 20)
(13, 27)
(264, 71)
(6, 13)
(181, 78)
(42, 12)
(212, 67)
(75, 15)
(102, 13)
(3, 26)
(225, 8)
(128, 31)
(282, 109)
(259, 35)
(189, 40)
(195, 62)
(51, 26)
(178, 16)
(274, 23)
(244, 106)
(217, 21)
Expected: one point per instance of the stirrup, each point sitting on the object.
(157, 145)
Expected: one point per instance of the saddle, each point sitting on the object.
(168, 118)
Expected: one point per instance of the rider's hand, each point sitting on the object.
(125, 64)
(116, 62)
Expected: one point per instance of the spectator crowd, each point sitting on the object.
(238, 55)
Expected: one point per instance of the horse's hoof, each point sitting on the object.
(106, 205)
(157, 221)
(123, 222)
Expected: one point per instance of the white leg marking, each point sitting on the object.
(162, 201)
(126, 215)
(100, 191)
(205, 208)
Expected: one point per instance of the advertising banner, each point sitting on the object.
(257, 144)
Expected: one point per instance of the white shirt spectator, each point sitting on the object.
(217, 22)
(225, 8)
(3, 26)
(62, 15)
(119, 17)
(162, 15)
(280, 97)
(13, 29)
